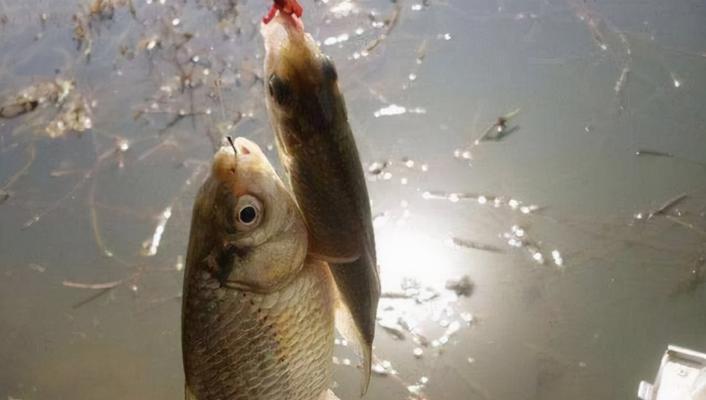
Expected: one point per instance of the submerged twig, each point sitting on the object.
(100, 293)
(475, 245)
(656, 153)
(499, 128)
(30, 160)
(390, 23)
(93, 286)
(86, 177)
(661, 210)
(35, 218)
(595, 24)
(94, 222)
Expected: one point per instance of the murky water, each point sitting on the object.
(581, 269)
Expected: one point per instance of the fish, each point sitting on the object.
(317, 149)
(257, 313)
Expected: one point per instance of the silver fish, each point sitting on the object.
(257, 313)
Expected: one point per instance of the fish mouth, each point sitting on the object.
(244, 146)
(280, 31)
(235, 154)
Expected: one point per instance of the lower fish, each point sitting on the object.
(257, 313)
(317, 149)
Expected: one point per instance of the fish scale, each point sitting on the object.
(281, 342)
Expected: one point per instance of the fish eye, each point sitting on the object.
(278, 89)
(248, 213)
(329, 69)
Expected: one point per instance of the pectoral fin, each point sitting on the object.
(334, 260)
(333, 246)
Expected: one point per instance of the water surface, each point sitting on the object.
(574, 296)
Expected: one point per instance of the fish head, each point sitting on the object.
(302, 93)
(246, 229)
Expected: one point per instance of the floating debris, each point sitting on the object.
(396, 295)
(36, 268)
(412, 289)
(418, 352)
(452, 329)
(661, 210)
(517, 238)
(93, 286)
(383, 368)
(647, 152)
(390, 23)
(394, 109)
(104, 9)
(29, 98)
(393, 328)
(378, 167)
(384, 169)
(467, 317)
(74, 116)
(499, 129)
(463, 286)
(88, 19)
(416, 390)
(469, 244)
(622, 79)
(420, 294)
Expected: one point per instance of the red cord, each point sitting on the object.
(286, 6)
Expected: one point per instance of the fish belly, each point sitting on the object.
(246, 346)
